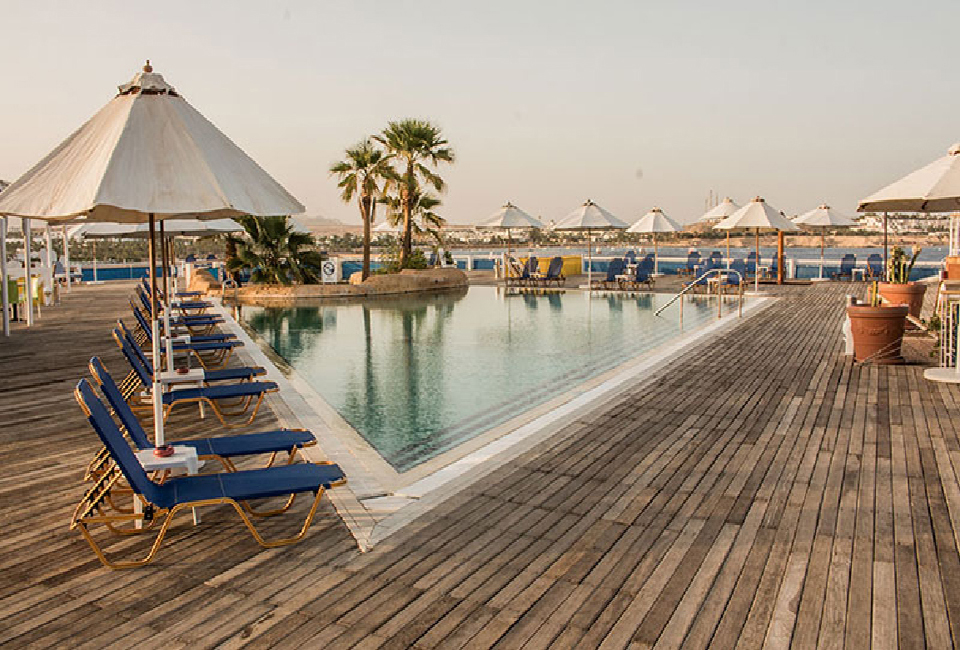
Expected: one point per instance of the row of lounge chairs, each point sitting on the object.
(233, 393)
(627, 273)
(529, 275)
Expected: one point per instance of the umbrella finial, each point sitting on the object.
(954, 150)
(758, 199)
(148, 67)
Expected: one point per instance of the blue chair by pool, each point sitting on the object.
(693, 261)
(178, 304)
(847, 264)
(181, 319)
(630, 257)
(200, 329)
(751, 264)
(614, 269)
(241, 373)
(554, 272)
(642, 277)
(874, 266)
(733, 281)
(227, 401)
(222, 448)
(716, 260)
(191, 258)
(210, 354)
(164, 500)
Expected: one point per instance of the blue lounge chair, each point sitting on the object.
(875, 266)
(142, 321)
(716, 260)
(641, 276)
(630, 257)
(179, 304)
(554, 272)
(733, 281)
(241, 373)
(191, 258)
(163, 501)
(847, 264)
(693, 261)
(227, 401)
(751, 265)
(532, 269)
(614, 269)
(191, 321)
(222, 448)
(210, 354)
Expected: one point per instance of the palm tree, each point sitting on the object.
(423, 219)
(360, 174)
(274, 252)
(413, 143)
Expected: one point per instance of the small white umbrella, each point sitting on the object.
(387, 228)
(589, 217)
(718, 213)
(758, 214)
(823, 217)
(933, 188)
(655, 222)
(509, 217)
(146, 155)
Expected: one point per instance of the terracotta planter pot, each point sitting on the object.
(909, 294)
(877, 332)
(953, 267)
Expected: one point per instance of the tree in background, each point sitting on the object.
(274, 252)
(413, 144)
(361, 174)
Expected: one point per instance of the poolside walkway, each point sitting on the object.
(762, 490)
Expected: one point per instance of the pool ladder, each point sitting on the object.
(719, 273)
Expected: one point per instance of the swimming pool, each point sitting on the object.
(419, 375)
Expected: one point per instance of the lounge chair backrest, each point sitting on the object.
(556, 267)
(847, 263)
(875, 264)
(533, 265)
(693, 259)
(751, 263)
(630, 257)
(716, 259)
(614, 269)
(648, 262)
(643, 274)
(119, 405)
(114, 441)
(132, 359)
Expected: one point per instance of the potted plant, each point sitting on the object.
(877, 329)
(898, 289)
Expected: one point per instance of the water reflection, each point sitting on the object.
(417, 375)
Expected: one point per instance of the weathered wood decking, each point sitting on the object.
(763, 490)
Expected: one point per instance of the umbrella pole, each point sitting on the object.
(94, 261)
(3, 276)
(885, 246)
(158, 440)
(27, 271)
(656, 256)
(728, 249)
(756, 270)
(589, 260)
(822, 237)
(66, 258)
(165, 261)
(780, 258)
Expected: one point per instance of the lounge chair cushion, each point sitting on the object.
(250, 443)
(220, 392)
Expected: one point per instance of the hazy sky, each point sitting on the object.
(632, 104)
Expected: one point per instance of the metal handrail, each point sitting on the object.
(690, 286)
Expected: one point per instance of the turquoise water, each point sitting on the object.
(416, 376)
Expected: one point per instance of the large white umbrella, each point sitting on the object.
(509, 217)
(146, 155)
(823, 217)
(758, 214)
(590, 217)
(655, 222)
(718, 213)
(933, 188)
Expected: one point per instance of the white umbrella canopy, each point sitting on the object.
(101, 230)
(146, 155)
(510, 216)
(590, 217)
(186, 228)
(823, 217)
(388, 228)
(933, 188)
(758, 214)
(655, 222)
(720, 211)
(146, 152)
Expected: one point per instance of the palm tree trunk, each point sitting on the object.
(406, 196)
(365, 216)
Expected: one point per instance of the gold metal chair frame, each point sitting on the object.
(91, 510)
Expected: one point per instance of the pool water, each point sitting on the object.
(418, 375)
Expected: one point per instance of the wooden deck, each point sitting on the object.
(764, 490)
